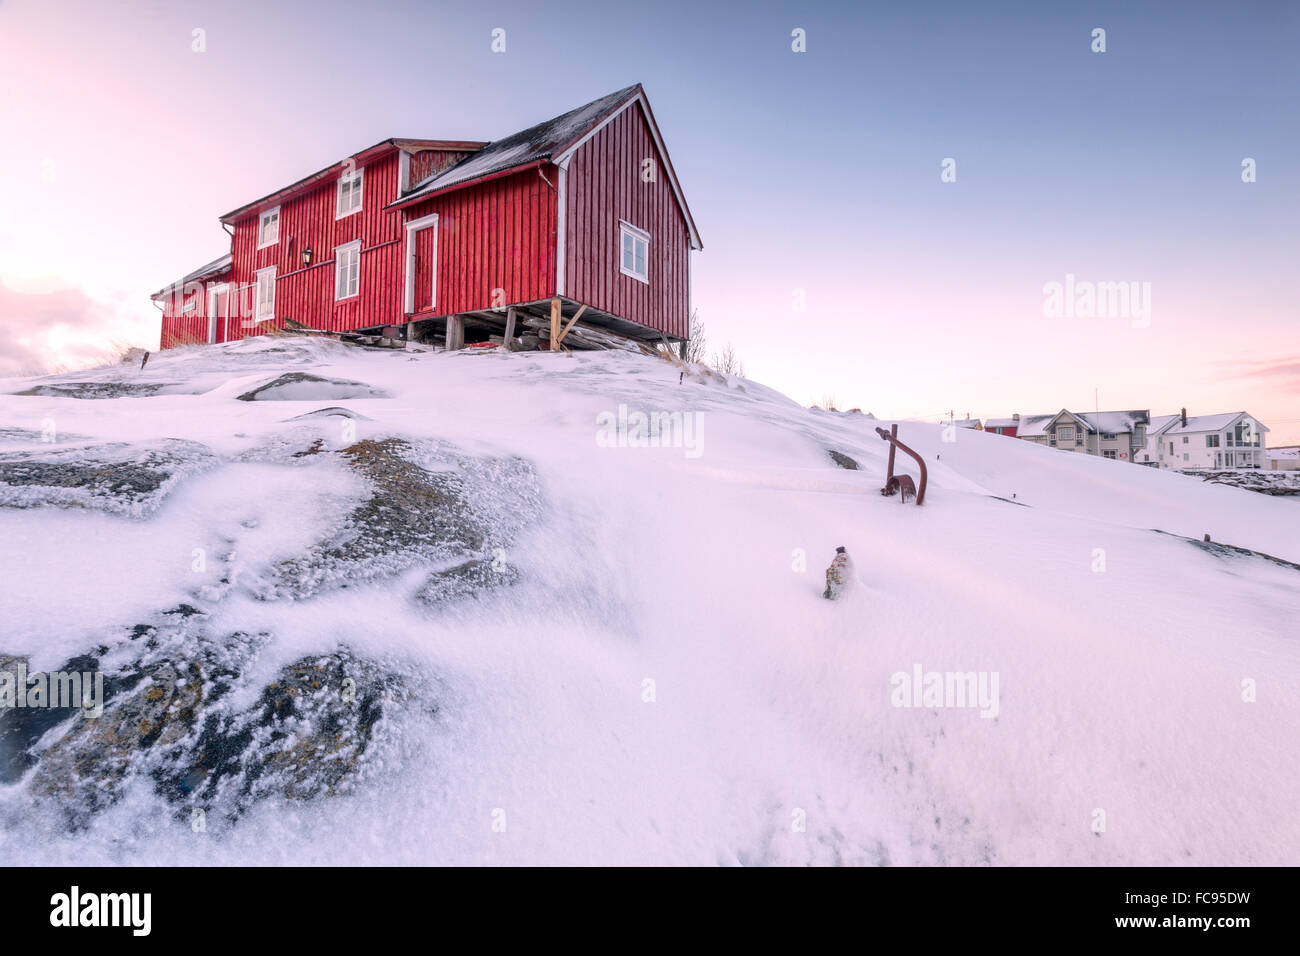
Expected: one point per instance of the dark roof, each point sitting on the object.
(214, 268)
(539, 142)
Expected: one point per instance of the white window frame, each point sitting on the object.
(257, 300)
(627, 229)
(262, 241)
(1065, 433)
(357, 177)
(342, 254)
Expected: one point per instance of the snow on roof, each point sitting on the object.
(1109, 423)
(1001, 422)
(1031, 425)
(214, 268)
(1286, 453)
(535, 143)
(1159, 423)
(1203, 423)
(1112, 423)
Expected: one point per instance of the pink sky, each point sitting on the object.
(820, 174)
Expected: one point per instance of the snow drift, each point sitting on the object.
(454, 622)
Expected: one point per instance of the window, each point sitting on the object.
(1065, 432)
(1184, 439)
(347, 270)
(1107, 436)
(349, 193)
(1186, 457)
(1211, 441)
(1108, 453)
(635, 245)
(268, 228)
(265, 294)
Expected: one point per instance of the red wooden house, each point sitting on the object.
(578, 217)
(1003, 426)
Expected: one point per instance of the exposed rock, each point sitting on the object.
(844, 461)
(306, 737)
(334, 410)
(96, 390)
(170, 720)
(469, 579)
(123, 478)
(428, 505)
(303, 386)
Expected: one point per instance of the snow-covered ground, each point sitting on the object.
(641, 667)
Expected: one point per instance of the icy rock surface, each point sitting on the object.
(428, 504)
(122, 478)
(172, 719)
(304, 386)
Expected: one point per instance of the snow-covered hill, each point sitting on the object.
(373, 606)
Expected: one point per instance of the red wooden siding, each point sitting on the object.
(306, 295)
(496, 235)
(429, 161)
(191, 328)
(605, 185)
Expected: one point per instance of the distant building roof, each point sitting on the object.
(1172, 424)
(1001, 422)
(1115, 422)
(1034, 425)
(1109, 423)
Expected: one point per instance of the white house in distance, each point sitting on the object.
(1284, 458)
(1229, 440)
(1117, 435)
(966, 422)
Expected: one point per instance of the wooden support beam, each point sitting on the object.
(455, 333)
(555, 325)
(565, 330)
(510, 329)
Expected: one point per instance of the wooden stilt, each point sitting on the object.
(455, 333)
(572, 321)
(510, 329)
(555, 325)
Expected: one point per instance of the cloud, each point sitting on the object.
(1282, 373)
(65, 329)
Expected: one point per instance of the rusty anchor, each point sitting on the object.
(894, 484)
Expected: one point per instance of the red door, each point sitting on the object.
(218, 314)
(426, 264)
